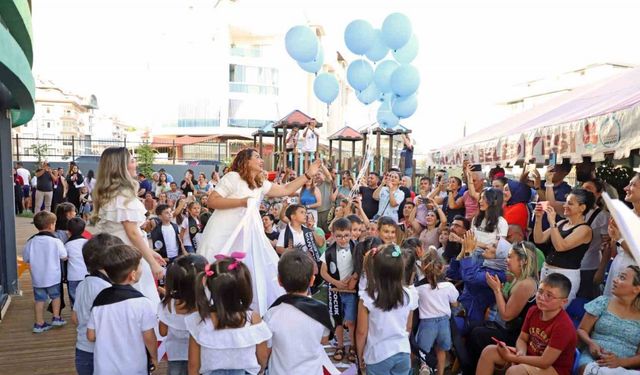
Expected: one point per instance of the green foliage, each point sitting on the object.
(40, 151)
(616, 176)
(145, 155)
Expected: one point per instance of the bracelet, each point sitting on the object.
(549, 185)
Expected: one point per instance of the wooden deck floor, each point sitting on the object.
(25, 353)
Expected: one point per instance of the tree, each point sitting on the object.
(40, 151)
(145, 155)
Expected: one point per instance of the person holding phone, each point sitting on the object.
(44, 188)
(569, 238)
(187, 185)
(389, 196)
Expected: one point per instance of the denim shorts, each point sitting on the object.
(434, 331)
(397, 364)
(348, 303)
(84, 362)
(41, 294)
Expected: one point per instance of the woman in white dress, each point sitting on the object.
(119, 212)
(236, 225)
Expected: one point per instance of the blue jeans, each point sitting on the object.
(72, 286)
(397, 364)
(189, 249)
(41, 294)
(177, 368)
(84, 362)
(434, 331)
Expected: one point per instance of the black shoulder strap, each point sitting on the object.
(116, 293)
(48, 234)
(316, 310)
(593, 216)
(288, 236)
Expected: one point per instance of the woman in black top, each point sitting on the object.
(75, 181)
(570, 238)
(272, 234)
(187, 185)
(59, 190)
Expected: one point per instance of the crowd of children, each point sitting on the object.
(400, 299)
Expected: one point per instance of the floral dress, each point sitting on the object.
(612, 333)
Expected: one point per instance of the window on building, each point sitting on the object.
(253, 79)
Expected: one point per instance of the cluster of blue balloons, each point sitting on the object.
(393, 82)
(303, 45)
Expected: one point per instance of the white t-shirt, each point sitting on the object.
(170, 243)
(177, 340)
(344, 260)
(43, 253)
(86, 293)
(119, 347)
(491, 237)
(26, 176)
(621, 261)
(297, 238)
(384, 204)
(599, 227)
(295, 343)
(435, 303)
(186, 238)
(76, 269)
(227, 349)
(388, 334)
(310, 142)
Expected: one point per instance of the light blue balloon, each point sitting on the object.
(359, 74)
(386, 119)
(396, 30)
(405, 80)
(326, 87)
(301, 43)
(408, 52)
(382, 75)
(404, 107)
(378, 49)
(314, 65)
(369, 95)
(358, 36)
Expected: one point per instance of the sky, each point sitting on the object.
(472, 53)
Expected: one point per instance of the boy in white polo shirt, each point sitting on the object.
(43, 252)
(86, 293)
(76, 269)
(122, 320)
(300, 324)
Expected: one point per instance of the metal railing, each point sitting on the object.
(72, 148)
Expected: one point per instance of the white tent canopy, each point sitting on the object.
(592, 120)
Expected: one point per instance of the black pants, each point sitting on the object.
(480, 335)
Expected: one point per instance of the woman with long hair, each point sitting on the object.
(610, 329)
(163, 184)
(489, 225)
(119, 212)
(310, 198)
(570, 238)
(90, 181)
(236, 224)
(59, 189)
(75, 181)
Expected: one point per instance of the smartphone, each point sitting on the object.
(189, 194)
(476, 168)
(503, 344)
(553, 159)
(543, 205)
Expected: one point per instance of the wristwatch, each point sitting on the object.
(620, 242)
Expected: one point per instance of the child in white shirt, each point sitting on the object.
(436, 297)
(190, 226)
(300, 325)
(122, 319)
(76, 269)
(179, 301)
(43, 252)
(224, 333)
(384, 315)
(86, 292)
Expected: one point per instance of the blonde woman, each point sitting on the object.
(119, 212)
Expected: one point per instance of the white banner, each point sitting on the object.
(616, 132)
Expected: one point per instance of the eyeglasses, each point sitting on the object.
(342, 236)
(546, 295)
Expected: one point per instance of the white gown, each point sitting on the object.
(112, 215)
(241, 229)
